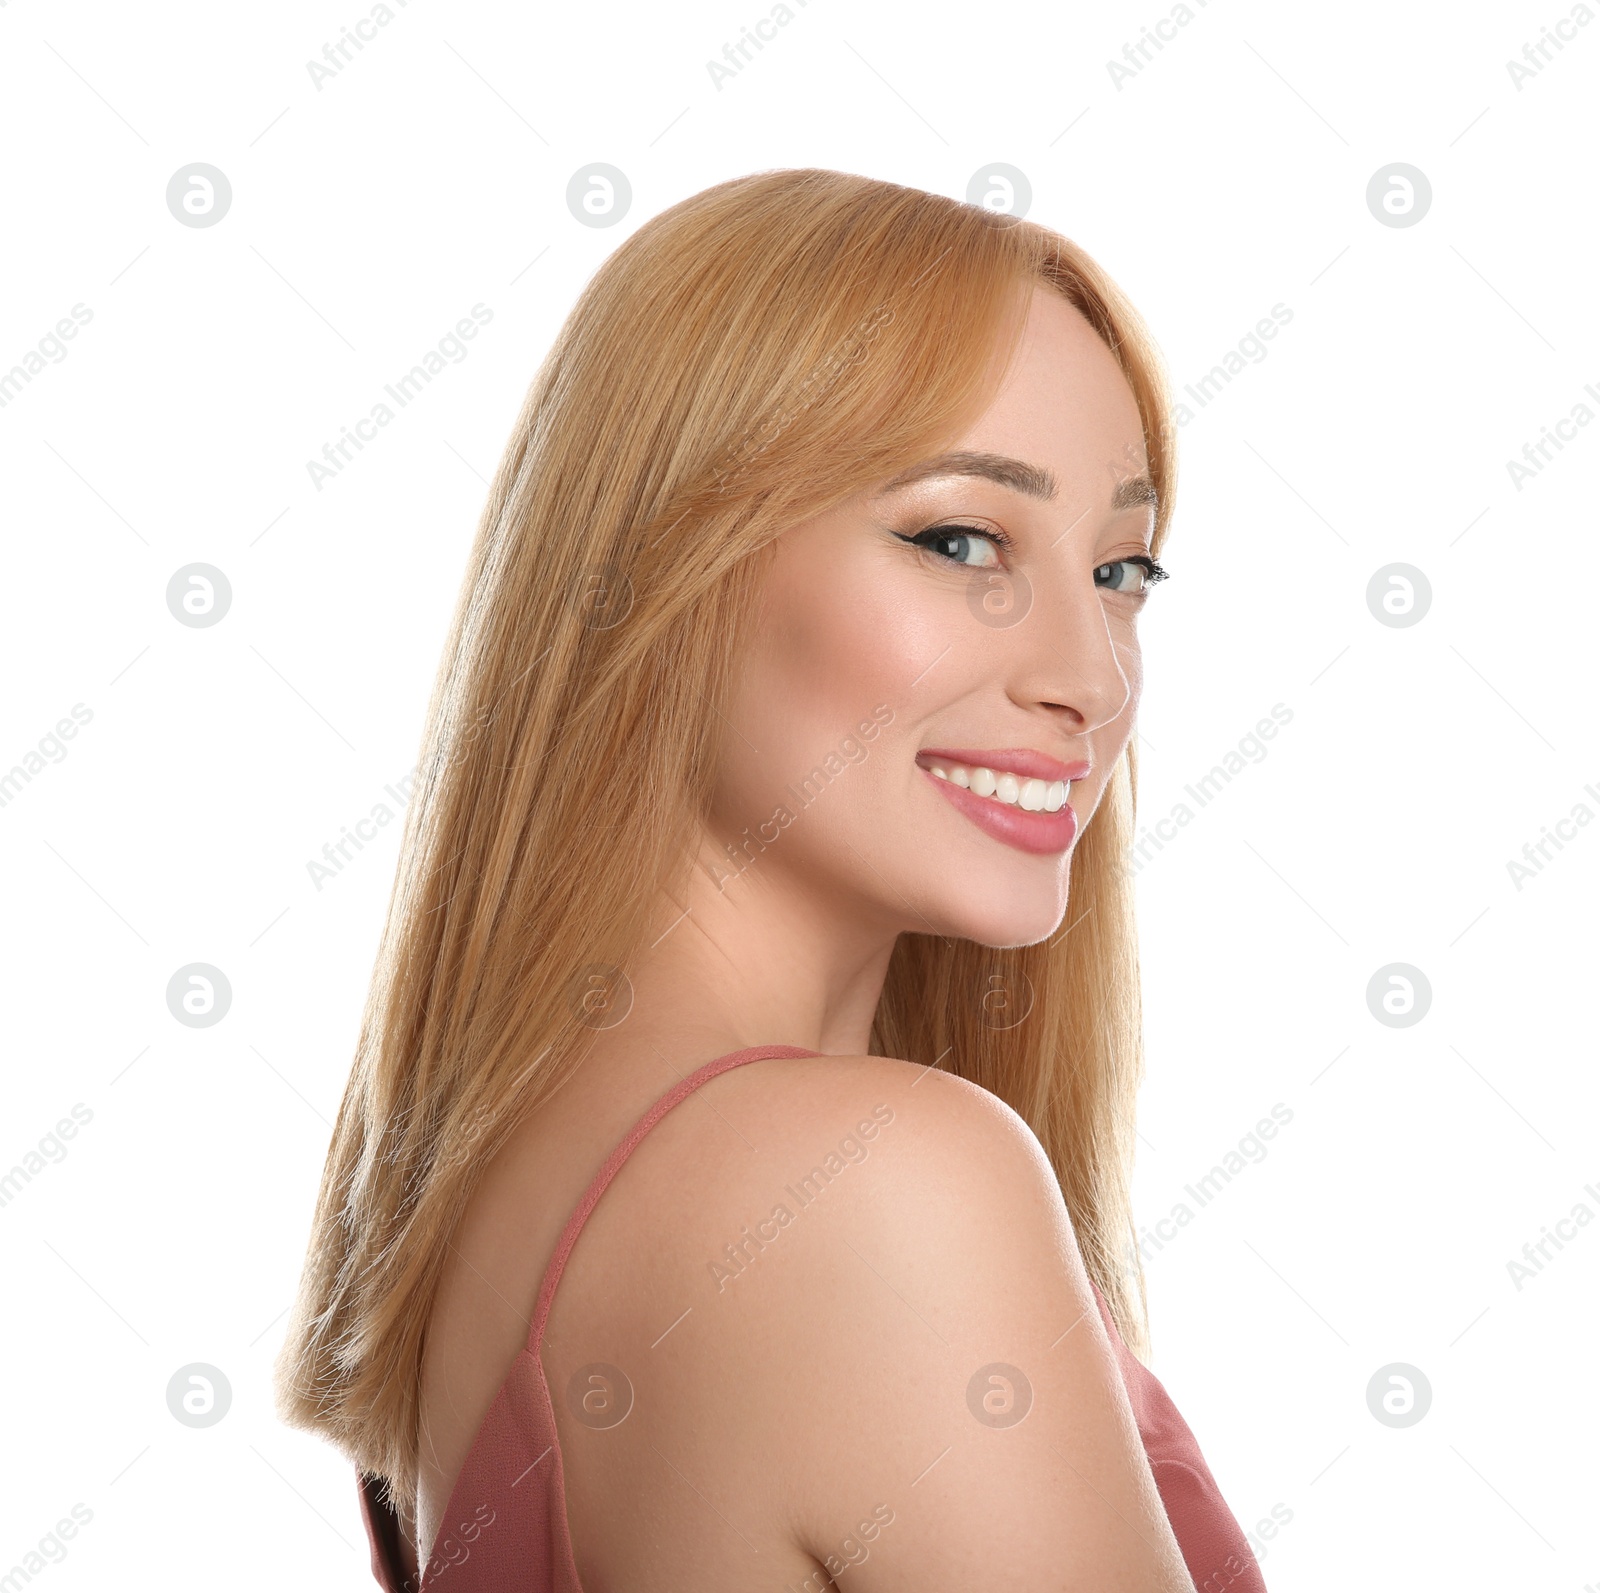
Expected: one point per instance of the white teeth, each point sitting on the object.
(1031, 795)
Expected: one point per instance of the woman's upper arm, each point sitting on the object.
(944, 1386)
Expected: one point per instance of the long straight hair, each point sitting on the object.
(744, 361)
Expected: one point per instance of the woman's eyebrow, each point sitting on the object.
(1034, 480)
(1134, 492)
(1018, 474)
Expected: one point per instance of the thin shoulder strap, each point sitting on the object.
(680, 1091)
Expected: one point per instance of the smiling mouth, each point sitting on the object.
(1031, 794)
(1025, 804)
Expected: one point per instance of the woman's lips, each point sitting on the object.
(1039, 833)
(1024, 762)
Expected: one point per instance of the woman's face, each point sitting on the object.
(913, 711)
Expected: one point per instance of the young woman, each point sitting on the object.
(761, 966)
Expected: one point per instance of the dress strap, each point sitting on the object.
(680, 1091)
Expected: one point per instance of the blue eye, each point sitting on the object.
(960, 544)
(1134, 576)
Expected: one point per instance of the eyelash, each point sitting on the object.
(1153, 570)
(923, 539)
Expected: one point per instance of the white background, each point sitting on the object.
(1228, 175)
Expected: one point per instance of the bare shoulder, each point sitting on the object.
(928, 1164)
(845, 1305)
(818, 1088)
(933, 1135)
(910, 1316)
(951, 1176)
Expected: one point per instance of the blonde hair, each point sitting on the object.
(744, 361)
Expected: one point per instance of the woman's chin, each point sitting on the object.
(1006, 923)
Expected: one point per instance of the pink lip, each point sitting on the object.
(1042, 834)
(1021, 761)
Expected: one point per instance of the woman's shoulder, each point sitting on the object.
(815, 1089)
(873, 1183)
(855, 1281)
(780, 1176)
(920, 1157)
(920, 1122)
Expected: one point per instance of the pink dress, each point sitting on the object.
(505, 1527)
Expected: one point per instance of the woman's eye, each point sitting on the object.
(977, 550)
(1134, 576)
